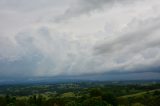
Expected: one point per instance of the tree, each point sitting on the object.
(72, 103)
(137, 104)
(2, 101)
(110, 98)
(21, 103)
(95, 101)
(95, 92)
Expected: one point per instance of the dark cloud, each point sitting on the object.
(81, 7)
(23, 67)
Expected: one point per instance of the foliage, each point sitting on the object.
(81, 94)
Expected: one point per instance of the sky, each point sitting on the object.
(109, 38)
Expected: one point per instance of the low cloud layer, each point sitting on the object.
(79, 37)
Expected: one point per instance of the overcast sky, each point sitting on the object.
(79, 37)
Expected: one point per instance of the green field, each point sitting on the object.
(139, 94)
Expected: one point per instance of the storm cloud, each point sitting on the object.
(79, 37)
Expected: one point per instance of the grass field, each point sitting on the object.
(139, 94)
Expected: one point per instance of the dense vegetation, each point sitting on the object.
(81, 94)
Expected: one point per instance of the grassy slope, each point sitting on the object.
(139, 94)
